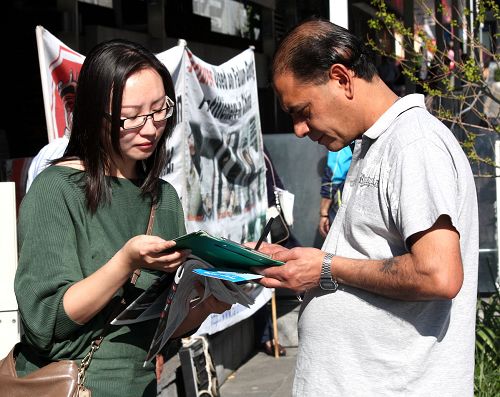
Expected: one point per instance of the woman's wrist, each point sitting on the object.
(124, 259)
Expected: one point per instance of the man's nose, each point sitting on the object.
(300, 128)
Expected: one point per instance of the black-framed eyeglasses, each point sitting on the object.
(132, 123)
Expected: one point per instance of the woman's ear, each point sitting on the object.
(343, 77)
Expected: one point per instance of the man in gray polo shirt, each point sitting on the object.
(403, 248)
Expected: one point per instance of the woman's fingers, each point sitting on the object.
(171, 255)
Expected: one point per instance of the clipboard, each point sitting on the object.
(223, 253)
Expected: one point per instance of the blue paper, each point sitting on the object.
(234, 277)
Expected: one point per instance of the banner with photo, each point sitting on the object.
(218, 145)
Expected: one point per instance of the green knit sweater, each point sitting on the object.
(60, 243)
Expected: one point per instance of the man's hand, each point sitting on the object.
(266, 248)
(324, 226)
(300, 272)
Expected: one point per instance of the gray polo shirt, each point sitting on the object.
(406, 171)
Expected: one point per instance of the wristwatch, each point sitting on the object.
(326, 281)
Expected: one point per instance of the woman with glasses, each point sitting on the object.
(82, 225)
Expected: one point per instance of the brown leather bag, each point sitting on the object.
(58, 379)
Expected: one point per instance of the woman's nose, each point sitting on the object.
(149, 128)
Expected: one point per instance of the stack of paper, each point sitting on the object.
(171, 297)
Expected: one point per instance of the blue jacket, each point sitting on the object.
(335, 173)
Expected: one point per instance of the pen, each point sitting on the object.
(266, 231)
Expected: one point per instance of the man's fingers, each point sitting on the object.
(267, 271)
(284, 255)
(266, 248)
(167, 246)
(270, 282)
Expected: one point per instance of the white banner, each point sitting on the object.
(217, 163)
(59, 70)
(218, 322)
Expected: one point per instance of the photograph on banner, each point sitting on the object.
(224, 166)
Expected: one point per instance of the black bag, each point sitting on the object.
(280, 231)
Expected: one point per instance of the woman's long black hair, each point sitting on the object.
(93, 138)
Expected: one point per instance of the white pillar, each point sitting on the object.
(9, 321)
(338, 13)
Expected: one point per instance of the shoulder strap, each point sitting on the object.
(149, 230)
(96, 343)
(270, 168)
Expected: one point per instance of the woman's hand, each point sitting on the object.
(152, 252)
(86, 298)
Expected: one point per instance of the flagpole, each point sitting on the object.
(45, 84)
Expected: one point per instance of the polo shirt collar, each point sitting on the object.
(398, 107)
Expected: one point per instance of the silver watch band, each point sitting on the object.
(326, 281)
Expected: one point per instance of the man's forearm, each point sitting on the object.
(396, 278)
(431, 270)
(324, 206)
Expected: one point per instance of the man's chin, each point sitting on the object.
(326, 142)
(331, 144)
(334, 146)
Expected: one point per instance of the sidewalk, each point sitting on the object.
(265, 376)
(262, 376)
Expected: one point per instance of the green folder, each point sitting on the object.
(223, 253)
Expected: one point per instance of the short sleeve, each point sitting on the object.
(48, 259)
(422, 186)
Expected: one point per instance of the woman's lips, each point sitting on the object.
(146, 145)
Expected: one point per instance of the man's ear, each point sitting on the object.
(344, 77)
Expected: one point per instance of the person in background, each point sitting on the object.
(55, 148)
(82, 225)
(332, 183)
(390, 302)
(264, 333)
(51, 151)
(491, 105)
